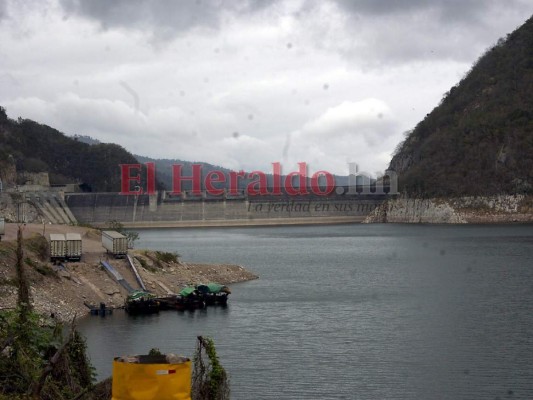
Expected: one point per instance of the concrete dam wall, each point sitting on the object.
(157, 211)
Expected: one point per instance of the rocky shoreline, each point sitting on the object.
(458, 210)
(64, 292)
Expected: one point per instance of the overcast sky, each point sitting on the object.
(244, 84)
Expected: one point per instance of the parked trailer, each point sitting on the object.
(73, 251)
(58, 247)
(115, 243)
(2, 228)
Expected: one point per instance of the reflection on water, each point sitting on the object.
(353, 311)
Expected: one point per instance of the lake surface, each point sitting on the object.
(353, 312)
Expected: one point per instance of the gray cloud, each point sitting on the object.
(160, 16)
(183, 15)
(387, 32)
(3, 9)
(452, 11)
(164, 18)
(84, 67)
(376, 32)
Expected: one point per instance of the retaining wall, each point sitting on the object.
(98, 208)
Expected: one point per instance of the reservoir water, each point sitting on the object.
(353, 312)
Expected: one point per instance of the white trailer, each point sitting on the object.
(2, 227)
(74, 248)
(58, 247)
(115, 243)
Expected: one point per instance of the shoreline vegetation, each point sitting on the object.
(37, 361)
(42, 355)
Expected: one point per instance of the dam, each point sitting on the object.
(162, 210)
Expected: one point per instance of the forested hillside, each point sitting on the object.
(32, 147)
(479, 140)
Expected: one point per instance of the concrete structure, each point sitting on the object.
(52, 207)
(156, 211)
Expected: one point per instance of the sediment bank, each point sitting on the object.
(63, 292)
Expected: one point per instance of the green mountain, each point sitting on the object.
(27, 146)
(163, 168)
(479, 140)
(164, 175)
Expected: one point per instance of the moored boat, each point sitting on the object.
(141, 302)
(214, 293)
(190, 299)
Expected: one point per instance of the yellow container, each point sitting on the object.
(151, 377)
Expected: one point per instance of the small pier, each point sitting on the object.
(100, 310)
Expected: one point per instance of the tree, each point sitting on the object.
(209, 379)
(36, 361)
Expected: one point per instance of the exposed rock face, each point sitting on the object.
(459, 210)
(35, 178)
(8, 174)
(8, 208)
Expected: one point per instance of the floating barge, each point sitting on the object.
(141, 302)
(214, 293)
(201, 296)
(189, 298)
(101, 310)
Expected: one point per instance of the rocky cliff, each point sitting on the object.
(456, 210)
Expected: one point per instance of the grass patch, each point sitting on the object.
(9, 282)
(145, 265)
(158, 258)
(39, 245)
(29, 262)
(143, 262)
(5, 251)
(46, 270)
(167, 257)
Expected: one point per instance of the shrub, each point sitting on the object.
(209, 378)
(167, 257)
(46, 270)
(39, 245)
